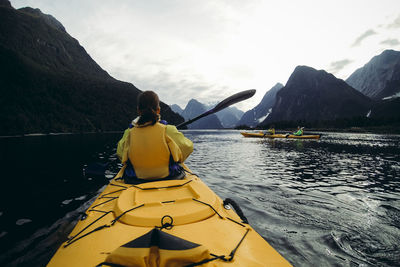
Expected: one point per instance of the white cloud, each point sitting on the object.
(363, 36)
(391, 42)
(338, 65)
(395, 24)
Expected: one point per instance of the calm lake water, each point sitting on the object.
(328, 202)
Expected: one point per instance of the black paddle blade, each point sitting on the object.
(223, 104)
(234, 99)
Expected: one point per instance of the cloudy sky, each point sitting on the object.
(211, 49)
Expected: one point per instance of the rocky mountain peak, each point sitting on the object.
(43, 40)
(309, 77)
(176, 108)
(194, 102)
(375, 76)
(5, 3)
(258, 114)
(195, 108)
(50, 83)
(49, 19)
(315, 95)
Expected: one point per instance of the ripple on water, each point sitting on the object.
(80, 198)
(338, 246)
(67, 201)
(391, 215)
(23, 221)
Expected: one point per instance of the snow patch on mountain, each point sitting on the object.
(391, 97)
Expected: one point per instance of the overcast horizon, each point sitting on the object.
(209, 50)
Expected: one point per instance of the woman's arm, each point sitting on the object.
(185, 145)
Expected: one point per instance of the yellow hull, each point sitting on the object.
(124, 212)
(262, 135)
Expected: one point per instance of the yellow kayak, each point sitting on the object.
(164, 223)
(262, 135)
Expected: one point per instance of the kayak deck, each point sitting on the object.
(262, 135)
(185, 209)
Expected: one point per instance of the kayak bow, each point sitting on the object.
(164, 223)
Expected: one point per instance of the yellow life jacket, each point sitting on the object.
(150, 149)
(121, 144)
(271, 130)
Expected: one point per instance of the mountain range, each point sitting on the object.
(316, 96)
(229, 117)
(193, 109)
(371, 95)
(49, 83)
(311, 95)
(226, 118)
(375, 79)
(258, 114)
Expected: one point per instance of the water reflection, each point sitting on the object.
(323, 197)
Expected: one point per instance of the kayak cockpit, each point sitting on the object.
(145, 204)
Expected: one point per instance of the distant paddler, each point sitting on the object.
(299, 131)
(270, 131)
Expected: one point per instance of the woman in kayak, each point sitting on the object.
(150, 149)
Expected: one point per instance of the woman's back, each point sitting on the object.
(150, 147)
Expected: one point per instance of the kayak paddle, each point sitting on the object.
(99, 169)
(223, 104)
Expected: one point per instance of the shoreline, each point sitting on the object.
(56, 134)
(359, 130)
(362, 130)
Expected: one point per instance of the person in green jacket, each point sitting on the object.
(299, 131)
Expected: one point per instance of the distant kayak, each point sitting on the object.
(262, 135)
